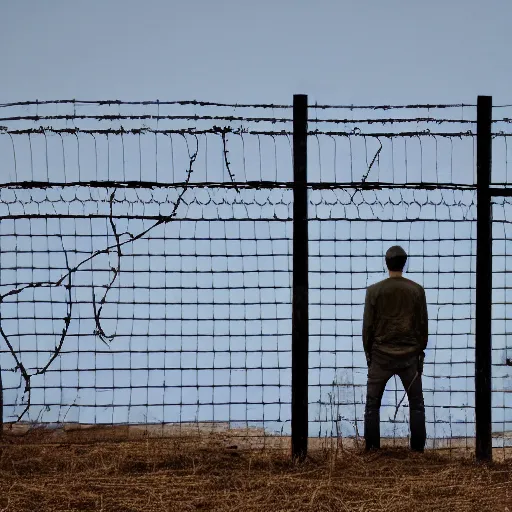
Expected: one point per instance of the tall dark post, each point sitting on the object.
(300, 317)
(483, 342)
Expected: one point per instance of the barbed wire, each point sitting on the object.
(240, 105)
(143, 117)
(365, 185)
(147, 103)
(356, 132)
(427, 106)
(272, 120)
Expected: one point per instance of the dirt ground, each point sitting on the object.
(113, 469)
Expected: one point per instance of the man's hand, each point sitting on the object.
(421, 359)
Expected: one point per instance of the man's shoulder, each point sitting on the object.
(375, 286)
(414, 285)
(403, 281)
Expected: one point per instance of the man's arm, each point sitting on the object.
(368, 326)
(423, 327)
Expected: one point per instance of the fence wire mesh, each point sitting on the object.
(146, 263)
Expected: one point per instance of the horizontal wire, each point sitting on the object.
(243, 105)
(427, 106)
(273, 120)
(398, 120)
(236, 131)
(89, 235)
(231, 317)
(220, 386)
(169, 335)
(151, 102)
(325, 185)
(220, 219)
(247, 403)
(258, 350)
(262, 270)
(119, 117)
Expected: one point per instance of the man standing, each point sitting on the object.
(395, 335)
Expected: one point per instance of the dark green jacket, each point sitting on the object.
(395, 321)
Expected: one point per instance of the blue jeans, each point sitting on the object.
(381, 369)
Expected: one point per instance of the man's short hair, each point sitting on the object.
(396, 258)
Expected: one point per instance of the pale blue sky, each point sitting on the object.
(248, 51)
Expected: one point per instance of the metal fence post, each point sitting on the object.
(483, 343)
(300, 302)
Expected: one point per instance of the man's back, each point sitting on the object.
(395, 318)
(395, 333)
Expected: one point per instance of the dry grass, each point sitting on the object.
(102, 470)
